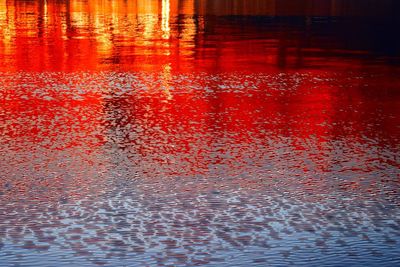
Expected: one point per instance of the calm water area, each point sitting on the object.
(199, 133)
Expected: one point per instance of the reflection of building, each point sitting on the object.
(81, 35)
(153, 34)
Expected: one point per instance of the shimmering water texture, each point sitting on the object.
(138, 169)
(199, 133)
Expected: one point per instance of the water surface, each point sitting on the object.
(198, 133)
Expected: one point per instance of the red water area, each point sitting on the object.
(184, 75)
(182, 125)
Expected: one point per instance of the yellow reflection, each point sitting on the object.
(150, 24)
(165, 13)
(46, 21)
(188, 35)
(45, 9)
(7, 27)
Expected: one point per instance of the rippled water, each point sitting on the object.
(255, 141)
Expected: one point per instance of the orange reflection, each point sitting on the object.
(147, 35)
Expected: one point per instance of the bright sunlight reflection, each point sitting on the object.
(165, 19)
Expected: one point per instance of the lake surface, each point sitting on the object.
(199, 133)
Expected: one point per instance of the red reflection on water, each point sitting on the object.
(167, 132)
(186, 133)
(149, 35)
